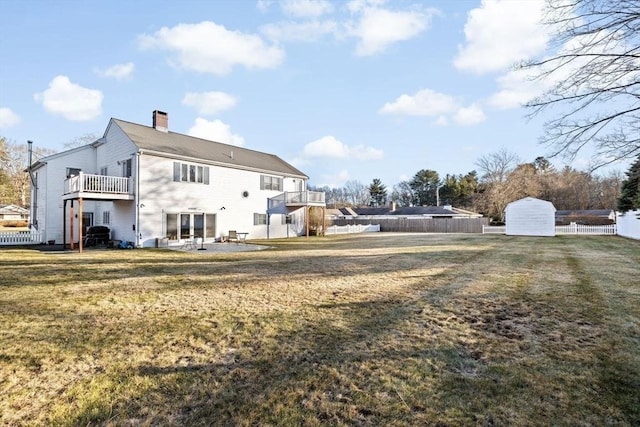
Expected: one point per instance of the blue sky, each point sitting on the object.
(344, 90)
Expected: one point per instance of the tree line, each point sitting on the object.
(501, 177)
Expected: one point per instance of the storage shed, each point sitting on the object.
(530, 217)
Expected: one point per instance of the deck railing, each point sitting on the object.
(304, 197)
(88, 183)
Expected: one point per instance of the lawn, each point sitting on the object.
(359, 330)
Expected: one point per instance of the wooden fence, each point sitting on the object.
(20, 237)
(421, 225)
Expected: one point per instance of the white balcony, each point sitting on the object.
(295, 199)
(102, 187)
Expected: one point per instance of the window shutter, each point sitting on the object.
(206, 175)
(262, 182)
(176, 171)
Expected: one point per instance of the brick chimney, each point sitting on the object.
(161, 121)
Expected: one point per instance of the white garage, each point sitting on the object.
(530, 217)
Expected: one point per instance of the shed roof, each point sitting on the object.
(147, 138)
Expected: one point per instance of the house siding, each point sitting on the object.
(51, 177)
(628, 224)
(159, 195)
(530, 217)
(117, 148)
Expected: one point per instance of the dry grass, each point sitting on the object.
(377, 329)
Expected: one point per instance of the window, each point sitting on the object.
(185, 172)
(287, 219)
(259, 219)
(73, 172)
(270, 183)
(106, 217)
(126, 168)
(103, 171)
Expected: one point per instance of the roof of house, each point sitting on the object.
(147, 138)
(13, 209)
(407, 210)
(605, 213)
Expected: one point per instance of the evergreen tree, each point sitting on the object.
(630, 194)
(425, 186)
(377, 193)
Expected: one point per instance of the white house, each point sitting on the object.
(530, 217)
(13, 213)
(629, 224)
(147, 183)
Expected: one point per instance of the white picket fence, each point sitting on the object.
(8, 238)
(357, 228)
(494, 229)
(572, 228)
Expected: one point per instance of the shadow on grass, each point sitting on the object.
(347, 368)
(400, 359)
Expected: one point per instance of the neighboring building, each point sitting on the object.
(530, 217)
(586, 217)
(628, 224)
(12, 213)
(147, 183)
(392, 211)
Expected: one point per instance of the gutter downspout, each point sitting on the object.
(137, 199)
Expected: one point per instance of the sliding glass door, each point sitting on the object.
(180, 226)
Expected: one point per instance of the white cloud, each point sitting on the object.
(336, 180)
(330, 147)
(215, 130)
(210, 48)
(71, 101)
(425, 102)
(327, 146)
(429, 103)
(362, 152)
(379, 28)
(118, 71)
(500, 33)
(208, 103)
(516, 89)
(306, 8)
(442, 121)
(471, 115)
(263, 5)
(8, 118)
(375, 27)
(299, 31)
(355, 6)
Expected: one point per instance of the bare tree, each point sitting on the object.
(593, 79)
(403, 194)
(496, 167)
(14, 187)
(357, 193)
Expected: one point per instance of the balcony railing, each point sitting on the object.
(280, 202)
(304, 198)
(97, 184)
